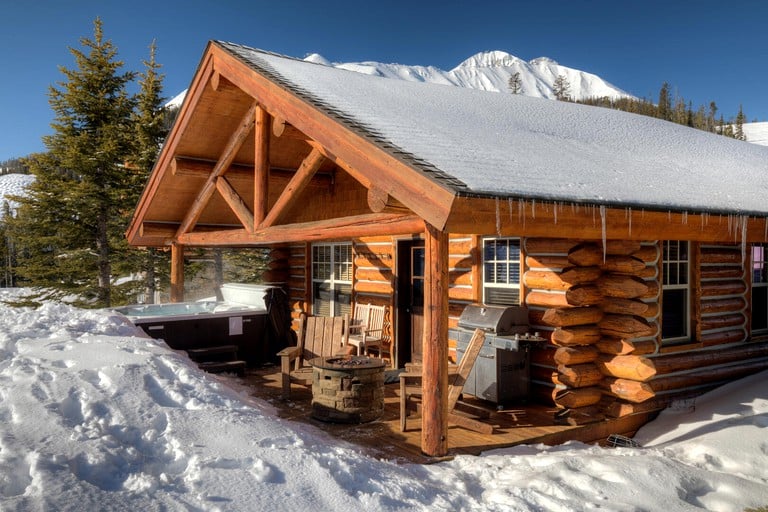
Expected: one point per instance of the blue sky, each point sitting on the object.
(706, 50)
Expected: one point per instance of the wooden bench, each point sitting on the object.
(319, 336)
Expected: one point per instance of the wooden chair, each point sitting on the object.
(411, 379)
(367, 330)
(319, 336)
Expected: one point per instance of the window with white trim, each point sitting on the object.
(501, 271)
(676, 292)
(760, 288)
(331, 279)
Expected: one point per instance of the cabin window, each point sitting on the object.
(501, 271)
(760, 288)
(331, 279)
(675, 316)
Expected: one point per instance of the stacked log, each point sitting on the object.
(562, 293)
(629, 328)
(373, 259)
(601, 304)
(723, 281)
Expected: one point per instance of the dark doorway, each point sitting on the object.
(410, 300)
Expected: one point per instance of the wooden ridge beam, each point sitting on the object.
(227, 157)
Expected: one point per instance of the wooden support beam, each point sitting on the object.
(374, 224)
(434, 431)
(261, 167)
(177, 273)
(298, 183)
(227, 157)
(235, 202)
(238, 172)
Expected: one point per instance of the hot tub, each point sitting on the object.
(241, 319)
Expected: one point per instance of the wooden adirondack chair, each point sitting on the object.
(319, 336)
(410, 385)
(367, 330)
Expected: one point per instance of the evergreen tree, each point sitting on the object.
(561, 88)
(665, 103)
(150, 129)
(66, 222)
(738, 130)
(516, 83)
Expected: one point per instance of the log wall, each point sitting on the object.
(599, 311)
(722, 288)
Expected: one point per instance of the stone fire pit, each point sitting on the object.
(347, 389)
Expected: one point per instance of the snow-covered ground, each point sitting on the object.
(757, 133)
(94, 416)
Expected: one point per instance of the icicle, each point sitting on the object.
(744, 224)
(498, 216)
(509, 206)
(765, 233)
(555, 213)
(602, 219)
(533, 208)
(629, 217)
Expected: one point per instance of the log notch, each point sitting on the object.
(562, 294)
(629, 327)
(723, 288)
(601, 305)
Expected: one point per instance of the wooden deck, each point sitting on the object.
(382, 438)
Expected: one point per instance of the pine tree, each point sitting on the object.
(515, 83)
(150, 129)
(66, 222)
(738, 130)
(561, 88)
(665, 103)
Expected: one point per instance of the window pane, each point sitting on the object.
(501, 271)
(760, 308)
(675, 314)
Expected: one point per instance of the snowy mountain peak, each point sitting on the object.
(495, 58)
(317, 59)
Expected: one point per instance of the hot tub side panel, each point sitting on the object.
(248, 332)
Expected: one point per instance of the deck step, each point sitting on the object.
(237, 367)
(217, 352)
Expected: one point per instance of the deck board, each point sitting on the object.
(382, 438)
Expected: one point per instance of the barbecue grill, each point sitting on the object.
(502, 371)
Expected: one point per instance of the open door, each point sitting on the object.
(410, 301)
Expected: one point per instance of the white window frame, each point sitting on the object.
(486, 283)
(686, 287)
(335, 279)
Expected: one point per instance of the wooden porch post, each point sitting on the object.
(261, 166)
(434, 427)
(177, 272)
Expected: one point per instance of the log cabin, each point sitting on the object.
(638, 246)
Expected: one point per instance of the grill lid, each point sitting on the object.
(495, 319)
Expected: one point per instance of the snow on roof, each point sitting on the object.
(516, 146)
